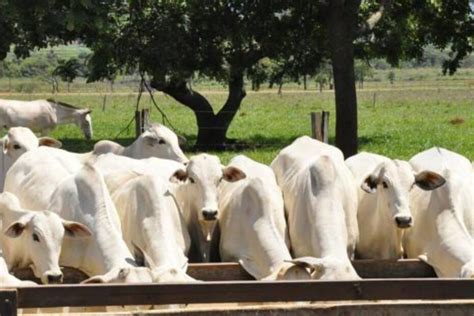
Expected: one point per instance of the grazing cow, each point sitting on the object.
(321, 204)
(152, 225)
(34, 239)
(18, 141)
(47, 177)
(252, 224)
(43, 115)
(157, 141)
(444, 236)
(384, 213)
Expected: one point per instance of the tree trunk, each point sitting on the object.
(342, 19)
(212, 128)
(305, 84)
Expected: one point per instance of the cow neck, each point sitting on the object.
(65, 114)
(330, 238)
(159, 233)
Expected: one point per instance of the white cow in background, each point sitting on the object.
(34, 239)
(384, 212)
(152, 224)
(49, 178)
(443, 235)
(252, 224)
(321, 204)
(18, 141)
(43, 115)
(157, 141)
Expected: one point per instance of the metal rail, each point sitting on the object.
(236, 291)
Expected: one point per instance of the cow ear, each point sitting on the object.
(74, 229)
(233, 174)
(370, 184)
(313, 264)
(428, 180)
(95, 279)
(178, 176)
(50, 142)
(15, 229)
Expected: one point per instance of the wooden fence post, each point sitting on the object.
(138, 124)
(320, 125)
(145, 119)
(104, 102)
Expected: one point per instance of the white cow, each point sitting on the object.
(443, 236)
(152, 225)
(321, 204)
(252, 224)
(157, 141)
(384, 212)
(195, 188)
(47, 177)
(34, 239)
(18, 141)
(6, 279)
(44, 115)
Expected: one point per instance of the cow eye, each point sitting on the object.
(385, 184)
(16, 146)
(191, 180)
(35, 237)
(161, 142)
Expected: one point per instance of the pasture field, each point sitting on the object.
(399, 124)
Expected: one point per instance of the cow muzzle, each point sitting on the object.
(209, 214)
(54, 278)
(403, 221)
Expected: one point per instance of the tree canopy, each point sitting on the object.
(170, 41)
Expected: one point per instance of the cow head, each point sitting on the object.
(203, 175)
(40, 235)
(327, 268)
(128, 274)
(21, 139)
(393, 180)
(84, 121)
(161, 142)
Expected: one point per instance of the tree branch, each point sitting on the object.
(370, 23)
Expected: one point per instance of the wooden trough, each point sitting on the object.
(229, 283)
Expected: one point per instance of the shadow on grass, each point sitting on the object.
(254, 142)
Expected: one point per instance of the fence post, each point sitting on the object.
(144, 119)
(104, 102)
(138, 124)
(320, 125)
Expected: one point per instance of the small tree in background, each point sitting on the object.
(68, 71)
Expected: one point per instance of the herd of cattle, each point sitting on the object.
(141, 213)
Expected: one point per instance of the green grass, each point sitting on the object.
(402, 123)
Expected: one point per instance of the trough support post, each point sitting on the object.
(8, 302)
(320, 125)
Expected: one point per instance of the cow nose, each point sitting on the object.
(55, 278)
(209, 215)
(403, 221)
